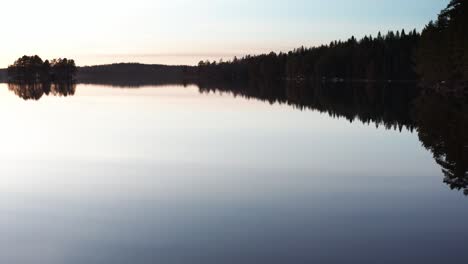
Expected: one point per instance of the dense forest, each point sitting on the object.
(439, 53)
(443, 48)
(381, 58)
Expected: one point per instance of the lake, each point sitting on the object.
(186, 174)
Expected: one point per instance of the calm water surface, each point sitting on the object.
(170, 175)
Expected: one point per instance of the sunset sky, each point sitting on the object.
(184, 32)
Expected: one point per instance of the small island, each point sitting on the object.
(33, 69)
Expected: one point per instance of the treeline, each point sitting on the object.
(443, 49)
(34, 69)
(439, 53)
(383, 57)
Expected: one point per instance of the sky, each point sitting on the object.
(184, 31)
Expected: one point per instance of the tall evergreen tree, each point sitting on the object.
(443, 52)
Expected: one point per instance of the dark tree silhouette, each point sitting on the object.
(62, 69)
(443, 51)
(439, 54)
(382, 58)
(28, 68)
(33, 69)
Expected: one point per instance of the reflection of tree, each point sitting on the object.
(380, 103)
(443, 129)
(441, 121)
(62, 89)
(34, 91)
(27, 91)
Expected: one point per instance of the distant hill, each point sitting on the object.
(3, 75)
(135, 74)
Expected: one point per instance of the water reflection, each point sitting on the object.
(35, 91)
(443, 129)
(382, 104)
(441, 121)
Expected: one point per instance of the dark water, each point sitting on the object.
(171, 174)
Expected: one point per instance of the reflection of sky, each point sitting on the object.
(178, 125)
(102, 31)
(165, 174)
